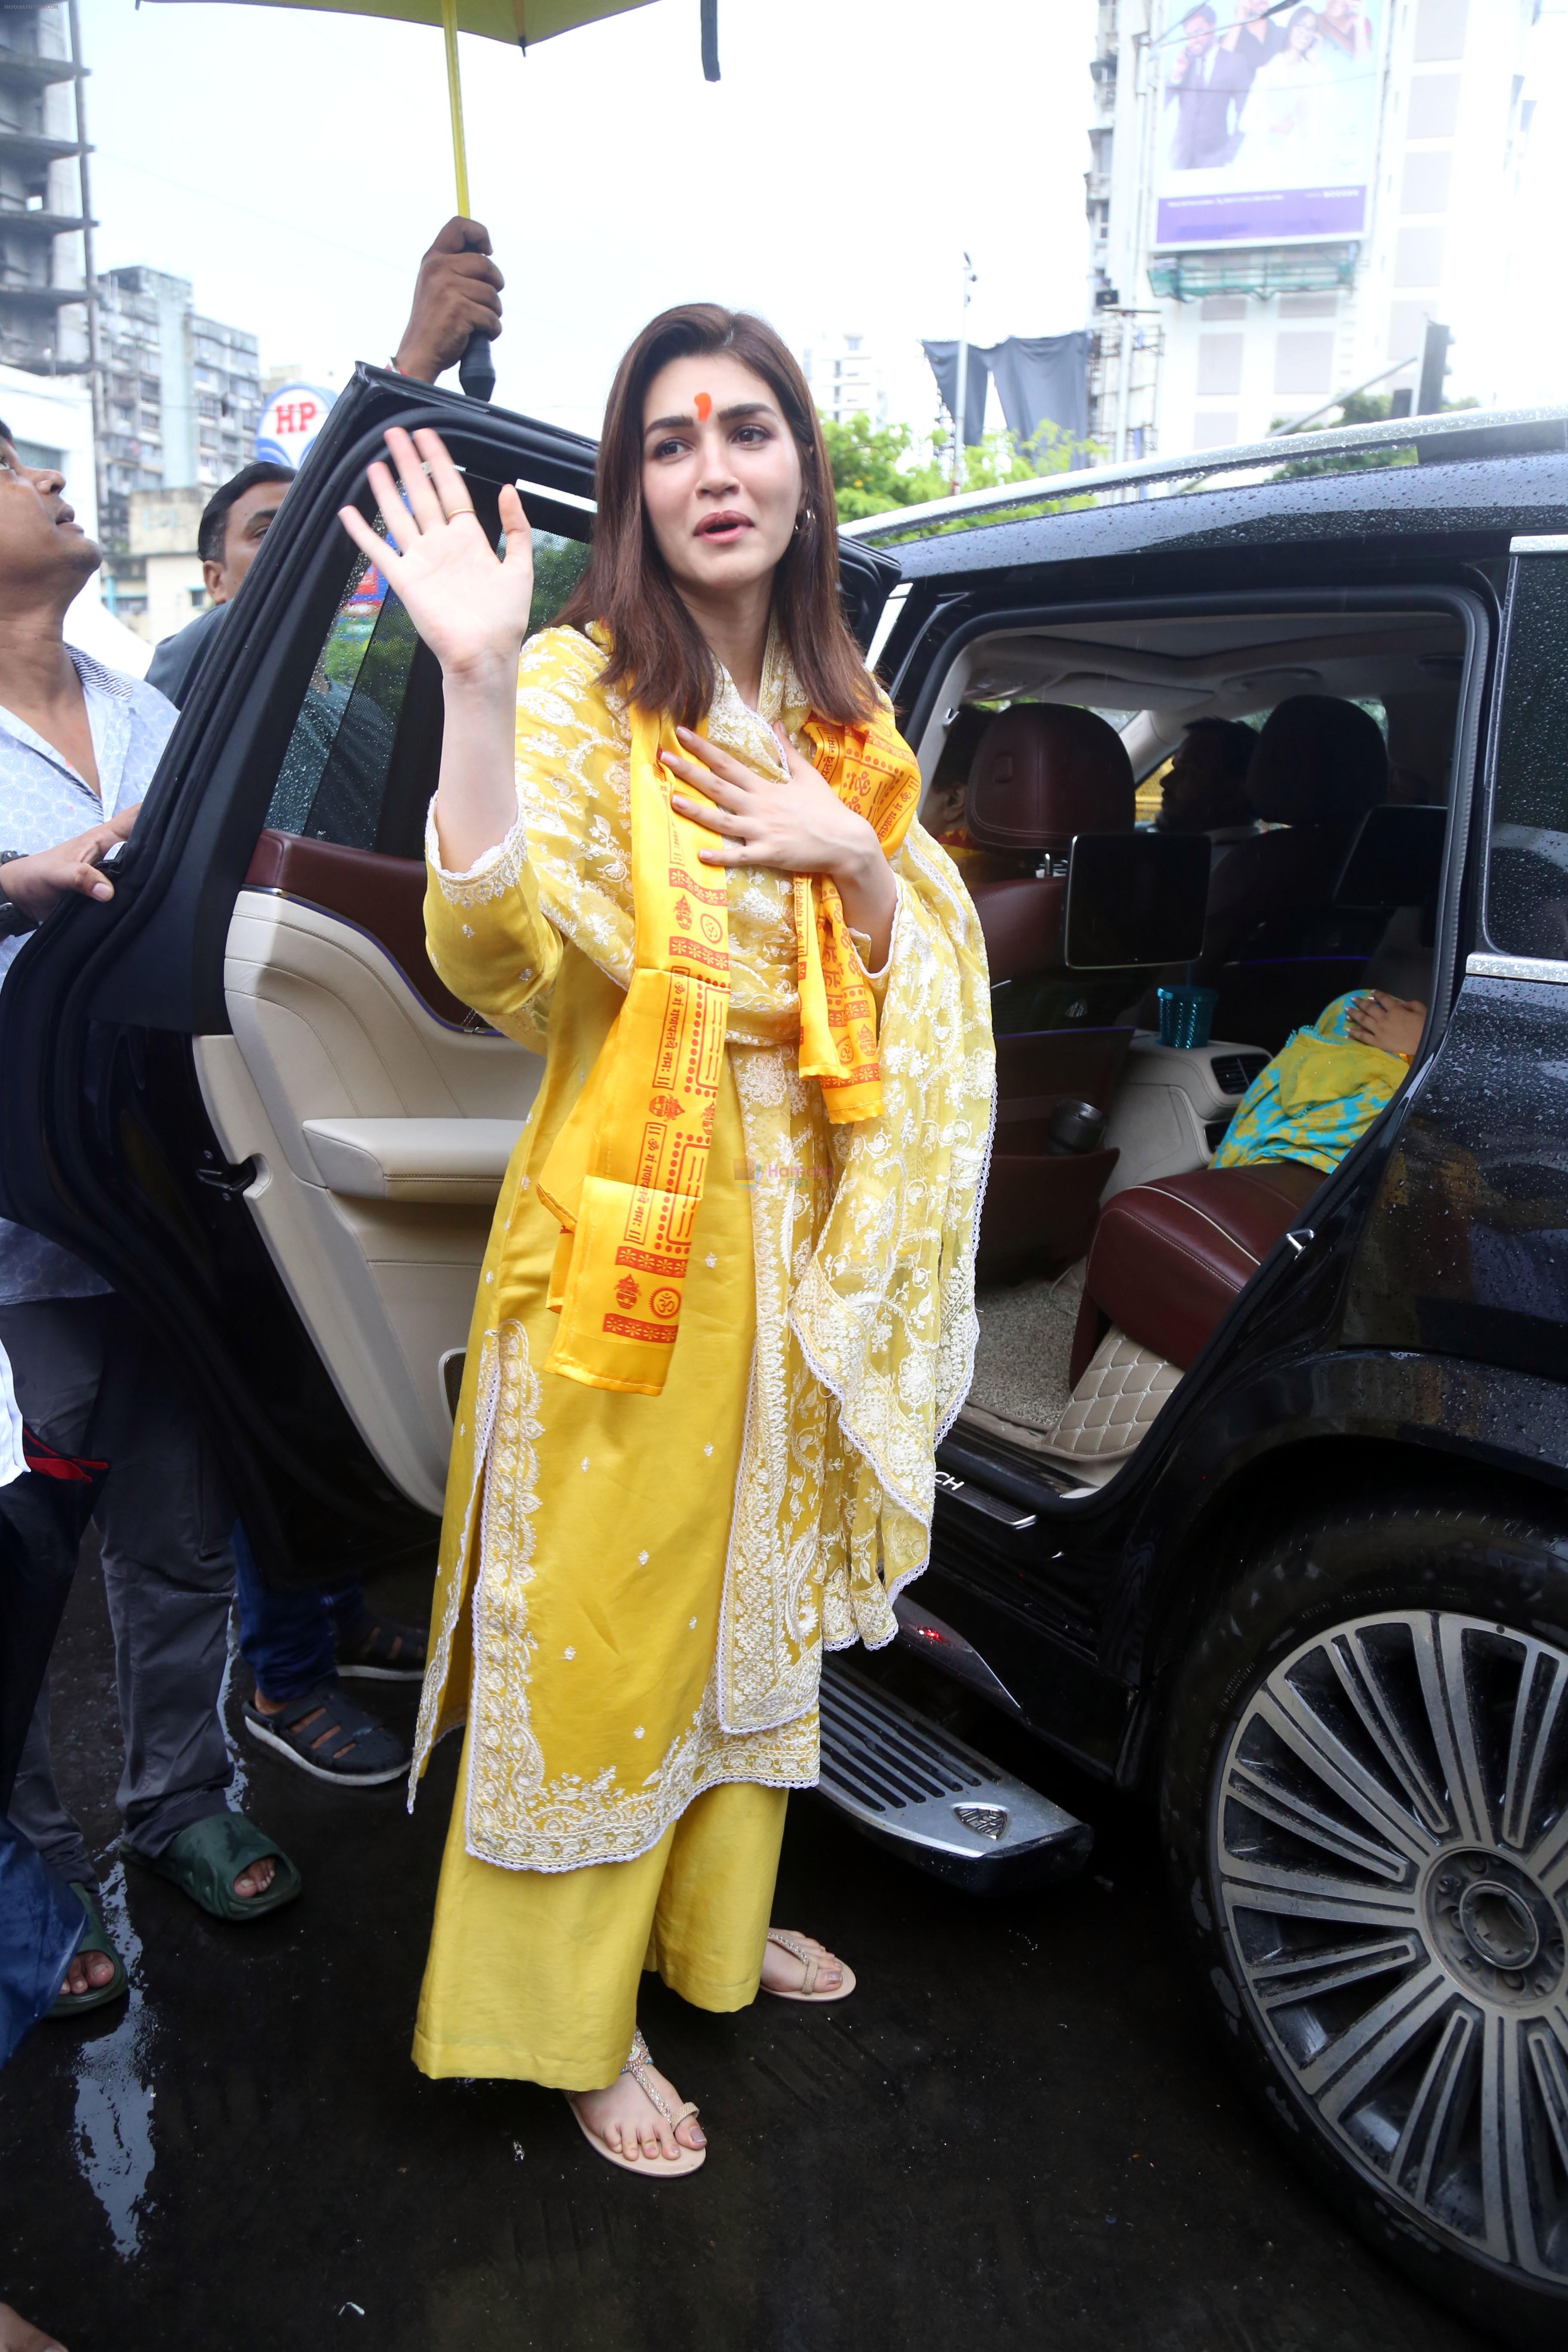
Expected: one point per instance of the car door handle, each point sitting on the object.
(232, 1183)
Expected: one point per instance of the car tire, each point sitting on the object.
(1364, 1807)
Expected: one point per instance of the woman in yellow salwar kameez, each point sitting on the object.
(728, 1302)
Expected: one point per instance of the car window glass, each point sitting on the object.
(558, 564)
(333, 780)
(1526, 865)
(333, 772)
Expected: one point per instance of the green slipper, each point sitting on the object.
(209, 1855)
(94, 1938)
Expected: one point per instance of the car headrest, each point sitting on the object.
(1318, 759)
(1045, 771)
(1134, 899)
(1396, 859)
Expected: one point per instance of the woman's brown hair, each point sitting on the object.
(660, 653)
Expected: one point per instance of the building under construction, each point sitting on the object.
(43, 209)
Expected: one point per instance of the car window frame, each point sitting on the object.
(1489, 959)
(186, 863)
(1471, 601)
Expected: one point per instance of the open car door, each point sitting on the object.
(239, 1090)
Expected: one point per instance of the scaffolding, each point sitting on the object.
(1126, 347)
(1192, 276)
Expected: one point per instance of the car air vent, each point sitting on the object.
(1234, 1073)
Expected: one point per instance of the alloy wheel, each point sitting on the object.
(1390, 1818)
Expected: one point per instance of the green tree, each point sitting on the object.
(999, 458)
(879, 467)
(874, 468)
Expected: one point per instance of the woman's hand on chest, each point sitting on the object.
(795, 824)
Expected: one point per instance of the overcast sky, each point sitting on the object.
(294, 166)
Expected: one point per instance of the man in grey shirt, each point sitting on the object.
(235, 521)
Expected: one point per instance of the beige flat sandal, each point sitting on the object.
(811, 1962)
(652, 2168)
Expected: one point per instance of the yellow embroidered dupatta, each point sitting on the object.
(625, 1176)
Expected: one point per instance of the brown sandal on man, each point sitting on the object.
(813, 1963)
(652, 2168)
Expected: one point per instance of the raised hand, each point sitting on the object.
(470, 608)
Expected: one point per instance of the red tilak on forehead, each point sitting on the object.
(703, 404)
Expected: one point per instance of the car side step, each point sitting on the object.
(932, 1798)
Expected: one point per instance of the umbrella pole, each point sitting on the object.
(455, 97)
(475, 369)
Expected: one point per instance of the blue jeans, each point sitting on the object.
(287, 1639)
(40, 1926)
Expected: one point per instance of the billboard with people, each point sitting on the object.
(1269, 120)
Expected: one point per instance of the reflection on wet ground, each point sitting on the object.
(112, 2134)
(1017, 2132)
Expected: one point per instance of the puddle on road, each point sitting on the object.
(114, 2088)
(114, 2093)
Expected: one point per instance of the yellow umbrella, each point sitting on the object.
(519, 21)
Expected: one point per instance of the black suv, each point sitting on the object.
(1258, 1505)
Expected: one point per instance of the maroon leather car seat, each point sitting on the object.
(1274, 945)
(1042, 772)
(1169, 1256)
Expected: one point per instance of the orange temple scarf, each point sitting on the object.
(625, 1176)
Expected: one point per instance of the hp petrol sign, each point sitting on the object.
(290, 421)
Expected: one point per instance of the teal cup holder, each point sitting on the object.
(1186, 1015)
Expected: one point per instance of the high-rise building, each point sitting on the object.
(845, 379)
(43, 198)
(1279, 200)
(182, 393)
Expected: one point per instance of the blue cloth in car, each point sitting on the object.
(1317, 1098)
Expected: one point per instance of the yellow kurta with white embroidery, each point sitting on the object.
(635, 1592)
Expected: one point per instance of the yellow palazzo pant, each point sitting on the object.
(533, 1975)
(533, 1970)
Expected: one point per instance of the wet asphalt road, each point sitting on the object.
(1018, 2132)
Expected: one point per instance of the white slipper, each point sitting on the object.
(652, 2168)
(811, 1962)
